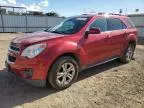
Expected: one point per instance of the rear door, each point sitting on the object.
(116, 36)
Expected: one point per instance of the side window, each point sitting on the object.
(100, 23)
(115, 24)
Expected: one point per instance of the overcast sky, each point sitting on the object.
(76, 7)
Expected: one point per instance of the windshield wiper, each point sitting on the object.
(58, 32)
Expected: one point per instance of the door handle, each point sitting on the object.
(108, 36)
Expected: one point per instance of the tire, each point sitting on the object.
(128, 54)
(63, 72)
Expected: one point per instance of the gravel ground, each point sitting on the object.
(112, 85)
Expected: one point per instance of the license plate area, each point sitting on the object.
(7, 67)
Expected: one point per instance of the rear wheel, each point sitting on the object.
(63, 72)
(128, 54)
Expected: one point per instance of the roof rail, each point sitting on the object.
(103, 13)
(114, 14)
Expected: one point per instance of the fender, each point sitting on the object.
(65, 47)
(131, 36)
(74, 48)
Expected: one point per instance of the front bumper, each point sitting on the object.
(33, 71)
(36, 83)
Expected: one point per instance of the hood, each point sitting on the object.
(36, 37)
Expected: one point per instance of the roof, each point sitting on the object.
(101, 14)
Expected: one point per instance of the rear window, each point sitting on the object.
(130, 22)
(124, 26)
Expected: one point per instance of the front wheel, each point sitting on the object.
(128, 54)
(63, 72)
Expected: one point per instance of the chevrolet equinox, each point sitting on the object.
(58, 54)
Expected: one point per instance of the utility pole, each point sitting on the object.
(120, 11)
(125, 11)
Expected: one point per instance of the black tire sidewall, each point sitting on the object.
(124, 58)
(52, 77)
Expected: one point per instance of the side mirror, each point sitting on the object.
(94, 31)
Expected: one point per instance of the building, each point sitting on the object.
(138, 20)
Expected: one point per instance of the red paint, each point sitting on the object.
(90, 50)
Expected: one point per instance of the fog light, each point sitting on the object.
(27, 73)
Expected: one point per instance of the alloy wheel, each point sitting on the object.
(65, 74)
(129, 53)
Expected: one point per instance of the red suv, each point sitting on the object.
(58, 54)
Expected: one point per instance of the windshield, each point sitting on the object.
(70, 25)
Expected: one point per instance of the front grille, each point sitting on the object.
(13, 47)
(11, 58)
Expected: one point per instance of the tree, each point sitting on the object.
(52, 14)
(136, 10)
(13, 13)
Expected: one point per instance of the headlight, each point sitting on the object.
(33, 51)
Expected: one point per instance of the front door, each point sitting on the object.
(96, 46)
